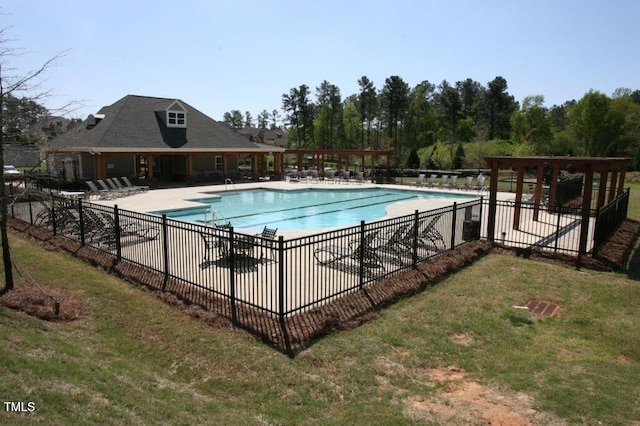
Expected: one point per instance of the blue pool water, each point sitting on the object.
(300, 209)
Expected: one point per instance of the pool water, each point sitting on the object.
(299, 209)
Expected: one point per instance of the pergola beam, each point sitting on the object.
(617, 166)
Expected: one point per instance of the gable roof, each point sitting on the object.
(138, 124)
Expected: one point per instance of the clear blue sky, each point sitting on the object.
(220, 55)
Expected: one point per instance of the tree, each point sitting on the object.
(9, 86)
(458, 157)
(329, 115)
(470, 92)
(19, 115)
(351, 123)
(531, 124)
(449, 107)
(395, 101)
(248, 119)
(233, 119)
(496, 108)
(300, 113)
(413, 161)
(593, 125)
(420, 119)
(367, 108)
(263, 119)
(274, 117)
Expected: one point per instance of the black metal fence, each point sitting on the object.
(539, 226)
(232, 273)
(277, 276)
(608, 218)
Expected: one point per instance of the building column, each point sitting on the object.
(623, 173)
(538, 194)
(149, 159)
(586, 210)
(554, 184)
(493, 201)
(602, 188)
(519, 186)
(613, 185)
(254, 167)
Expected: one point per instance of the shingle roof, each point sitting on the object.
(137, 123)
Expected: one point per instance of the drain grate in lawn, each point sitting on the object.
(545, 309)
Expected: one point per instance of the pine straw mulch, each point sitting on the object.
(298, 331)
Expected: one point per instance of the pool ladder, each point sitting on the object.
(227, 181)
(217, 218)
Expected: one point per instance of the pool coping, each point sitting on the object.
(181, 198)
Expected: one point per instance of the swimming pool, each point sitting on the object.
(300, 209)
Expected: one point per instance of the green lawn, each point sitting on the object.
(458, 353)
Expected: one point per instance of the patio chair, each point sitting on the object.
(293, 177)
(359, 178)
(344, 177)
(113, 192)
(431, 234)
(266, 240)
(453, 182)
(394, 242)
(432, 180)
(444, 182)
(468, 182)
(359, 251)
(215, 242)
(64, 218)
(128, 183)
(117, 186)
(330, 176)
(104, 226)
(100, 193)
(421, 180)
(313, 177)
(481, 186)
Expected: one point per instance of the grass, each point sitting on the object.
(131, 359)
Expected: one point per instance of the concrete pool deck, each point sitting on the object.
(298, 280)
(178, 198)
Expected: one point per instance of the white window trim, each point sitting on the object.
(177, 109)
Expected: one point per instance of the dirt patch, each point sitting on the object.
(50, 304)
(462, 401)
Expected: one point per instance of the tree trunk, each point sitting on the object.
(6, 253)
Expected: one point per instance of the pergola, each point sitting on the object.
(318, 157)
(611, 170)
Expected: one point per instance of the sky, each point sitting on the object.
(221, 55)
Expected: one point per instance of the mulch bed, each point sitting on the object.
(300, 330)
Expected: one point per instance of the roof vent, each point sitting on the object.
(94, 119)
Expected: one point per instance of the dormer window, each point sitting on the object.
(176, 115)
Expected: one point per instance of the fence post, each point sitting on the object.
(453, 225)
(81, 216)
(54, 225)
(165, 251)
(596, 232)
(281, 296)
(480, 218)
(116, 231)
(559, 206)
(232, 276)
(30, 200)
(414, 244)
(361, 254)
